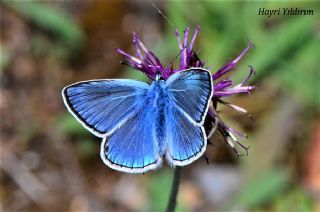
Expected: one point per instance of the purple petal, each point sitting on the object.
(148, 55)
(135, 36)
(183, 58)
(230, 129)
(193, 39)
(229, 66)
(135, 43)
(234, 90)
(178, 38)
(252, 72)
(222, 84)
(131, 58)
(235, 107)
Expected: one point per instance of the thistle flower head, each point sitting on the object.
(146, 62)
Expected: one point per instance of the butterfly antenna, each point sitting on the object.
(172, 25)
(178, 55)
(161, 13)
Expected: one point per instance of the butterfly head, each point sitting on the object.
(159, 76)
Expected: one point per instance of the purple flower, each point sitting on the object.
(145, 61)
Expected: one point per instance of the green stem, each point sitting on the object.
(172, 202)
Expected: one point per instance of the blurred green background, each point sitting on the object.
(50, 163)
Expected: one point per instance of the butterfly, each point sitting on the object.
(142, 123)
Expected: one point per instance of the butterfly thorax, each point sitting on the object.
(158, 97)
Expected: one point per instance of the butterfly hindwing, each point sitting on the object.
(186, 140)
(102, 105)
(191, 91)
(133, 147)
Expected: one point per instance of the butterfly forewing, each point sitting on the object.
(102, 105)
(191, 91)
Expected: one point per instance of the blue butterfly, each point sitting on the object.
(141, 123)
